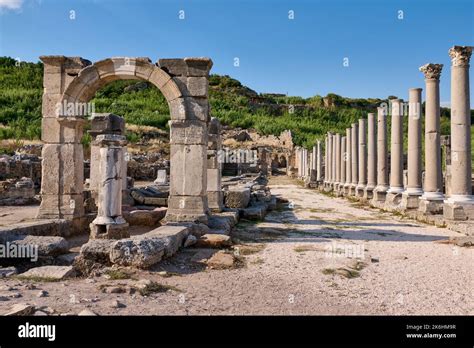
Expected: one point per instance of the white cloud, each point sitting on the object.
(10, 4)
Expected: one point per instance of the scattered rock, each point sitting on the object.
(214, 241)
(4, 298)
(42, 293)
(49, 272)
(40, 313)
(87, 312)
(374, 259)
(202, 256)
(117, 304)
(191, 240)
(11, 295)
(237, 197)
(221, 260)
(21, 309)
(7, 271)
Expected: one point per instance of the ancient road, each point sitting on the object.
(320, 256)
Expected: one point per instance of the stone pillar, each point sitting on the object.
(342, 161)
(362, 183)
(318, 162)
(371, 156)
(432, 199)
(354, 159)
(396, 154)
(337, 160)
(347, 160)
(334, 160)
(62, 153)
(410, 198)
(460, 204)
(381, 189)
(109, 222)
(215, 196)
(326, 167)
(329, 159)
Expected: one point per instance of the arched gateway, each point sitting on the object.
(70, 82)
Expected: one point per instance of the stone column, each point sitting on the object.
(342, 162)
(396, 154)
(347, 159)
(354, 159)
(432, 199)
(362, 183)
(334, 160)
(371, 156)
(410, 197)
(318, 162)
(326, 167)
(109, 223)
(215, 196)
(381, 189)
(329, 159)
(338, 161)
(460, 204)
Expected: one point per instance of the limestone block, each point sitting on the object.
(198, 66)
(188, 170)
(187, 209)
(107, 123)
(62, 169)
(50, 104)
(50, 272)
(159, 78)
(237, 197)
(188, 133)
(215, 200)
(174, 67)
(171, 91)
(61, 206)
(213, 180)
(55, 131)
(47, 245)
(189, 108)
(214, 241)
(192, 86)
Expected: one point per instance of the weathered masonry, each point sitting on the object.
(71, 82)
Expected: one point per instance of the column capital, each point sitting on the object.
(460, 55)
(431, 71)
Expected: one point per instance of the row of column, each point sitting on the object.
(357, 162)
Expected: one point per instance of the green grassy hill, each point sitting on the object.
(143, 104)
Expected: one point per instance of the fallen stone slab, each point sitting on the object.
(214, 241)
(220, 223)
(145, 217)
(150, 196)
(46, 245)
(145, 250)
(202, 255)
(21, 309)
(39, 227)
(49, 272)
(237, 197)
(97, 250)
(254, 213)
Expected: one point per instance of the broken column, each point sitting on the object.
(347, 159)
(371, 156)
(411, 195)
(380, 191)
(362, 158)
(460, 203)
(215, 196)
(109, 222)
(396, 154)
(432, 200)
(354, 159)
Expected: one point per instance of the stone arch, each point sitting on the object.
(71, 82)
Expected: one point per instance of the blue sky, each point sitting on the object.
(301, 56)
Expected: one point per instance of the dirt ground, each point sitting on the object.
(315, 255)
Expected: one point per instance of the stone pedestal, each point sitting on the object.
(109, 222)
(460, 203)
(432, 200)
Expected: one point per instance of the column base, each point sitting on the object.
(109, 231)
(379, 195)
(352, 190)
(393, 198)
(187, 209)
(368, 193)
(410, 200)
(430, 207)
(360, 189)
(458, 210)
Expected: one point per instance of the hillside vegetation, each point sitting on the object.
(143, 104)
